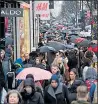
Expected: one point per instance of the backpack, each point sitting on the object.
(89, 83)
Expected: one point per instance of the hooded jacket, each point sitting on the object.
(57, 97)
(19, 62)
(34, 97)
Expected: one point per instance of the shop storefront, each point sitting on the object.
(8, 27)
(15, 30)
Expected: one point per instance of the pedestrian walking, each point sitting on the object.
(3, 93)
(82, 95)
(27, 62)
(56, 93)
(72, 85)
(13, 97)
(29, 94)
(55, 70)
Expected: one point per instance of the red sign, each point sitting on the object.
(42, 8)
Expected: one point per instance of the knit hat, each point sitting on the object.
(30, 76)
(29, 82)
(54, 77)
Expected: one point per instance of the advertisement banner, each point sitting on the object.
(11, 12)
(42, 8)
(24, 32)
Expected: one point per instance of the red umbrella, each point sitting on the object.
(39, 74)
(93, 48)
(78, 40)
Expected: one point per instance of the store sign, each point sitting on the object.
(42, 8)
(11, 12)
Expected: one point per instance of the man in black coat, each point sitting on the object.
(56, 93)
(29, 94)
(28, 62)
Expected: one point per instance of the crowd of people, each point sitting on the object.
(73, 80)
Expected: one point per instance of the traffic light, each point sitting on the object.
(51, 4)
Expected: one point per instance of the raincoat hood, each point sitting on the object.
(54, 77)
(29, 82)
(19, 62)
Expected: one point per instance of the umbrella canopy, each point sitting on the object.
(93, 48)
(84, 43)
(69, 46)
(43, 30)
(56, 45)
(50, 36)
(73, 37)
(64, 31)
(78, 40)
(39, 74)
(47, 49)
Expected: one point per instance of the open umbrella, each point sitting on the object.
(56, 45)
(50, 36)
(43, 30)
(64, 31)
(84, 43)
(79, 40)
(93, 47)
(47, 49)
(69, 46)
(73, 37)
(39, 74)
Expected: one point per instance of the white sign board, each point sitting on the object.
(42, 8)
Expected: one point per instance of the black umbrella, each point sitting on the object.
(43, 30)
(49, 35)
(57, 45)
(47, 49)
(69, 46)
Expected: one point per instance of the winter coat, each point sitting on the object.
(2, 79)
(72, 89)
(8, 52)
(84, 72)
(28, 63)
(35, 99)
(2, 96)
(9, 40)
(91, 74)
(72, 61)
(57, 97)
(40, 66)
(19, 62)
(60, 77)
(6, 65)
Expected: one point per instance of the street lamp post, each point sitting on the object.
(76, 13)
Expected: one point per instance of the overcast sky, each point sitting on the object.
(57, 8)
